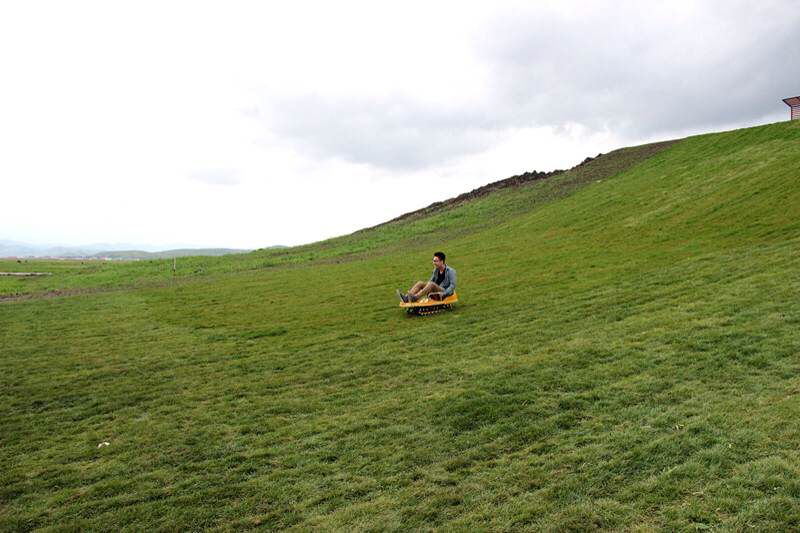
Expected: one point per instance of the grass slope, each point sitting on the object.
(625, 356)
(78, 276)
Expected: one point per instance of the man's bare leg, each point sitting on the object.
(418, 286)
(426, 289)
(429, 288)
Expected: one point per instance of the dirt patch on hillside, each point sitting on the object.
(55, 293)
(77, 291)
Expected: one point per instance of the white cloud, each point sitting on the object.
(216, 176)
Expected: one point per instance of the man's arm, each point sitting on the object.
(451, 287)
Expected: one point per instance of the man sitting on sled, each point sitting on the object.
(441, 285)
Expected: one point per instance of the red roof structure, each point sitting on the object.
(794, 104)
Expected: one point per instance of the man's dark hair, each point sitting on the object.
(440, 255)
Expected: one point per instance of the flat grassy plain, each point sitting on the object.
(626, 355)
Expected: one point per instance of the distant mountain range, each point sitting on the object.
(17, 249)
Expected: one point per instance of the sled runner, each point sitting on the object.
(429, 306)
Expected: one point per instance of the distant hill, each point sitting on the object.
(185, 252)
(16, 249)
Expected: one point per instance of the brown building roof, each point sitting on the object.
(792, 101)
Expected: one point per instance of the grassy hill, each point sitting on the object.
(626, 355)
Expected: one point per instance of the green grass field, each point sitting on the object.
(625, 355)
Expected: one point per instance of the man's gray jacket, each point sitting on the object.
(449, 282)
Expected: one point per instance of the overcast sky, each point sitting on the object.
(249, 124)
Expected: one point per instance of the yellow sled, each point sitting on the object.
(429, 306)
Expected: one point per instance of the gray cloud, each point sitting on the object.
(630, 71)
(637, 70)
(388, 132)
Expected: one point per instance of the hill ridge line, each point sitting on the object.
(515, 181)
